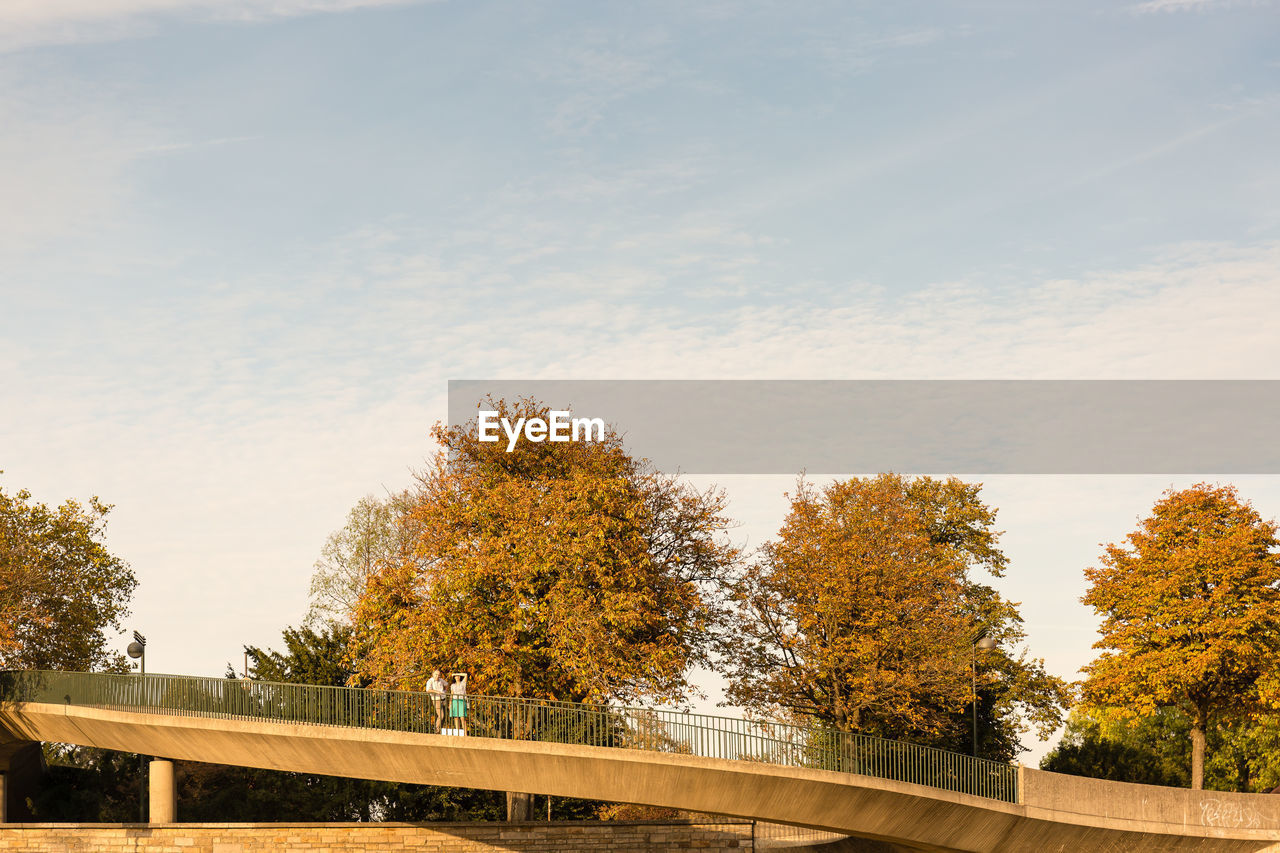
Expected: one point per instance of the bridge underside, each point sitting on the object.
(1053, 816)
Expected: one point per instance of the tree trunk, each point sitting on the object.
(1197, 756)
(519, 806)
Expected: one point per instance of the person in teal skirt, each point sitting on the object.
(458, 700)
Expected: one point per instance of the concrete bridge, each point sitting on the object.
(649, 759)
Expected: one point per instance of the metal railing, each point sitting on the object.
(661, 730)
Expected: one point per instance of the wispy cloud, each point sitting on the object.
(596, 71)
(31, 23)
(186, 146)
(63, 157)
(857, 50)
(1151, 7)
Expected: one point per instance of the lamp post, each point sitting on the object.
(986, 644)
(138, 650)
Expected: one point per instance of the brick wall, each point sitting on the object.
(615, 837)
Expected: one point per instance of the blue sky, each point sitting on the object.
(244, 244)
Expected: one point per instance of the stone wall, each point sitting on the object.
(572, 837)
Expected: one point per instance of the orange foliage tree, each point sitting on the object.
(566, 570)
(861, 614)
(1191, 614)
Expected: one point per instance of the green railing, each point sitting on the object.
(524, 719)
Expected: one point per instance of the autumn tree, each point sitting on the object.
(559, 570)
(374, 536)
(60, 589)
(1190, 608)
(861, 614)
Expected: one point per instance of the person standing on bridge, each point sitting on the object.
(458, 702)
(437, 687)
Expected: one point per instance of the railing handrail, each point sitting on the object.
(522, 718)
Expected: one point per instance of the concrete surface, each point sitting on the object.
(475, 837)
(1059, 814)
(162, 792)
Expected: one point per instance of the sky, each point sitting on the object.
(244, 245)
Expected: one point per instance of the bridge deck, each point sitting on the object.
(1054, 812)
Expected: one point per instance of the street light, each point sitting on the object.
(985, 644)
(138, 651)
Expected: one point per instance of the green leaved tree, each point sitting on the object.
(376, 534)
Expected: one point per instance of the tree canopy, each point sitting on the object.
(1107, 743)
(374, 536)
(1190, 608)
(311, 656)
(567, 570)
(60, 589)
(862, 614)
(1101, 744)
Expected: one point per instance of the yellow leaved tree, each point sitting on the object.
(1190, 608)
(567, 570)
(862, 615)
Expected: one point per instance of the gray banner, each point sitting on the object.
(921, 426)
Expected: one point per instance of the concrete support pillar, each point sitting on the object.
(519, 806)
(4, 800)
(164, 792)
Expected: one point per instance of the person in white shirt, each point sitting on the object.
(436, 689)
